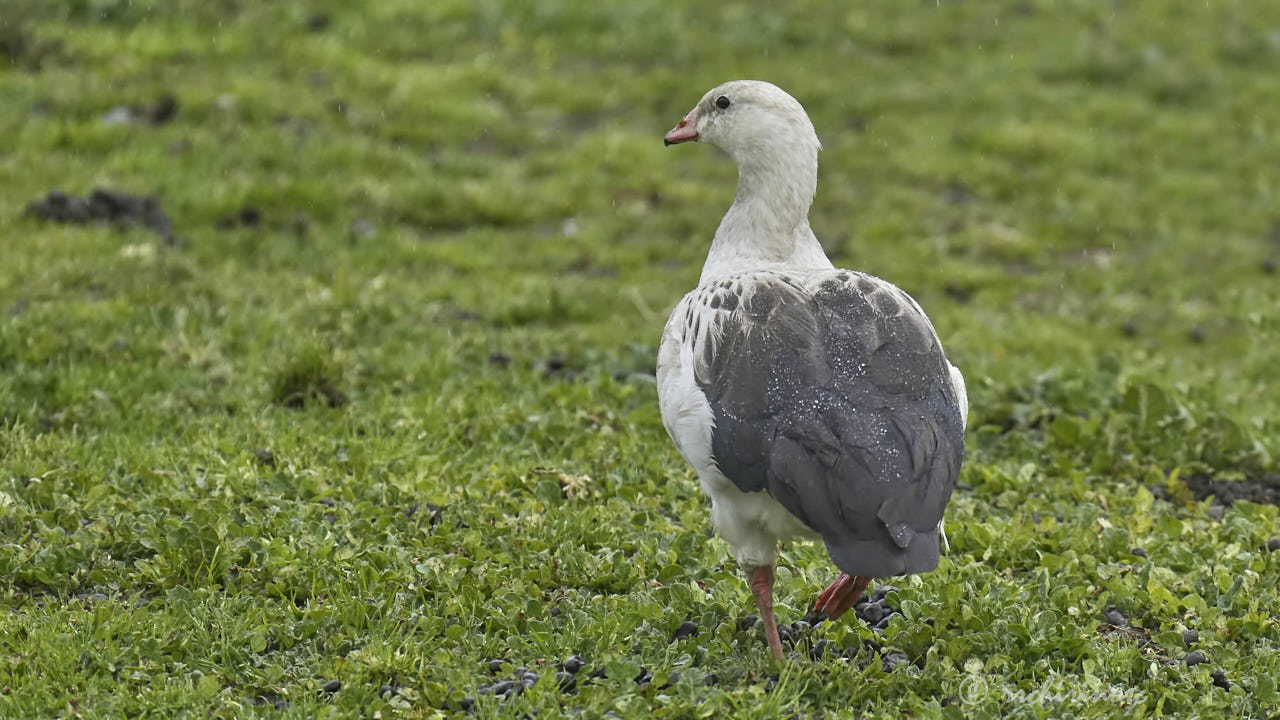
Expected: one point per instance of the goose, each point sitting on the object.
(812, 402)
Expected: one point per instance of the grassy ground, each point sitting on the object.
(380, 409)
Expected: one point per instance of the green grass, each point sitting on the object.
(219, 457)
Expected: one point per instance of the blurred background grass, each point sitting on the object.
(1053, 180)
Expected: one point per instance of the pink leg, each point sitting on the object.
(761, 581)
(842, 594)
(841, 582)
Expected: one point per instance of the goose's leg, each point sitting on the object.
(761, 581)
(841, 595)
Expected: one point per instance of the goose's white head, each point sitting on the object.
(748, 119)
(770, 138)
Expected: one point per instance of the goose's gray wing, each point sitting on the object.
(834, 395)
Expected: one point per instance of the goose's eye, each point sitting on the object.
(722, 102)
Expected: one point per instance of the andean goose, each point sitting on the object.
(812, 402)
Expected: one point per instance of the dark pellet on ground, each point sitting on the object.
(1190, 637)
(520, 671)
(574, 663)
(710, 679)
(318, 21)
(389, 691)
(554, 611)
(672, 679)
(871, 613)
(815, 617)
(959, 293)
(499, 359)
(165, 109)
(598, 674)
(1264, 489)
(1114, 617)
(746, 622)
(892, 661)
(269, 698)
(883, 624)
(1273, 544)
(331, 687)
(1196, 334)
(58, 206)
(879, 593)
(565, 680)
(687, 629)
(1217, 512)
(265, 456)
(1129, 328)
(496, 664)
(503, 687)
(467, 703)
(1195, 657)
(1220, 679)
(786, 634)
(1139, 552)
(436, 514)
(800, 627)
(644, 678)
(1269, 266)
(247, 216)
(818, 650)
(117, 208)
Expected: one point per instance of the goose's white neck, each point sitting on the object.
(767, 227)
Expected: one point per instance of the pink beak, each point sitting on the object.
(684, 132)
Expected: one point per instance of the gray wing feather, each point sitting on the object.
(838, 402)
